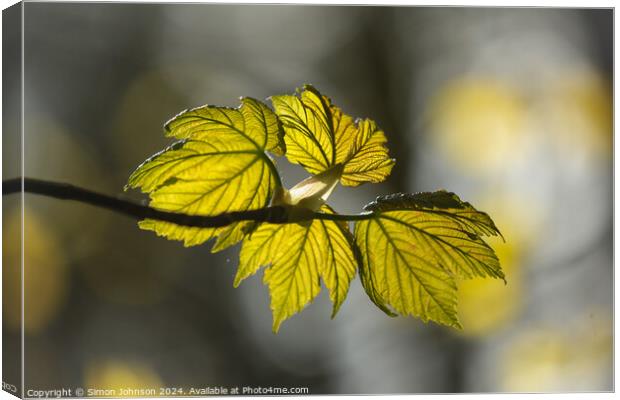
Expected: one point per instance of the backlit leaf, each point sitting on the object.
(415, 248)
(219, 165)
(369, 160)
(296, 257)
(319, 136)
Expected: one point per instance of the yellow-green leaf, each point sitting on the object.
(369, 161)
(220, 165)
(232, 234)
(319, 135)
(252, 123)
(415, 248)
(297, 256)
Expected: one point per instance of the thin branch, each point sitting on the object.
(65, 191)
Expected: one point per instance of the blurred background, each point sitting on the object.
(509, 108)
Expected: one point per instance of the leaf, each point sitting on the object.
(252, 121)
(319, 135)
(232, 234)
(368, 159)
(297, 256)
(414, 249)
(219, 165)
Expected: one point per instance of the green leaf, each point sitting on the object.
(367, 159)
(220, 165)
(297, 256)
(415, 248)
(253, 122)
(319, 135)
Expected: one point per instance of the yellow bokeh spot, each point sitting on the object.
(486, 305)
(577, 111)
(45, 272)
(121, 378)
(478, 123)
(11, 268)
(574, 357)
(482, 124)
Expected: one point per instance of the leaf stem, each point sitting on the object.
(342, 217)
(65, 191)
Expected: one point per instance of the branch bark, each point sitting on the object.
(65, 191)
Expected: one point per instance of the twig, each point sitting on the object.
(65, 191)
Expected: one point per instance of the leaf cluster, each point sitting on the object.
(409, 249)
